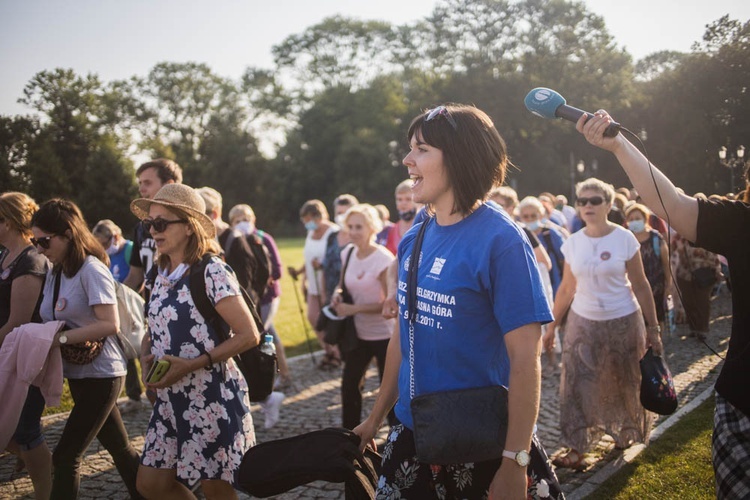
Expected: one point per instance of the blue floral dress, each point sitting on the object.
(201, 425)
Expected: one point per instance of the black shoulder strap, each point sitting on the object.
(343, 271)
(411, 284)
(56, 293)
(204, 306)
(558, 258)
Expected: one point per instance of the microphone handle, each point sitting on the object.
(573, 114)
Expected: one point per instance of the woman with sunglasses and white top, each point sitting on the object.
(80, 290)
(603, 291)
(481, 304)
(201, 425)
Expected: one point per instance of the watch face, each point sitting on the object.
(523, 458)
(63, 338)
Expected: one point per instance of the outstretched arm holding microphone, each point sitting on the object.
(721, 227)
(679, 208)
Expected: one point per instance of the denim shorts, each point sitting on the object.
(28, 433)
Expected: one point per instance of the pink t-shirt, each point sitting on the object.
(365, 287)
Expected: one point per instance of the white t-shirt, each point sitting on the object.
(92, 285)
(365, 287)
(315, 249)
(603, 290)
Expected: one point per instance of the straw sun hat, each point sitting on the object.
(177, 196)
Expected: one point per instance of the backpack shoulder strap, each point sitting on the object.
(546, 234)
(198, 293)
(204, 306)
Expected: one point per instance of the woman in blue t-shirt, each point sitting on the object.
(481, 304)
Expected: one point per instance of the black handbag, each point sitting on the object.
(657, 387)
(458, 426)
(703, 277)
(341, 332)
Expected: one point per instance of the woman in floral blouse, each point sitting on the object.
(201, 424)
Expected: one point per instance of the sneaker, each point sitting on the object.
(271, 407)
(130, 406)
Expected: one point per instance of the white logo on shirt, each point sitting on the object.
(437, 266)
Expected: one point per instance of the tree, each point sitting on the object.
(74, 152)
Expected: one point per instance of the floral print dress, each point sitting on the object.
(201, 425)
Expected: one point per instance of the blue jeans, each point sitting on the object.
(28, 433)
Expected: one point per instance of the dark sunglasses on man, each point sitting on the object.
(160, 225)
(594, 200)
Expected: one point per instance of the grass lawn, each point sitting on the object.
(288, 321)
(677, 465)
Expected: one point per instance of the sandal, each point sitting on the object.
(568, 461)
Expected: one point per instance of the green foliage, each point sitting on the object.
(338, 100)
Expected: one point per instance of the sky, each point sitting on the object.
(120, 39)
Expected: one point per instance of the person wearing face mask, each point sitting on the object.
(531, 212)
(407, 210)
(314, 216)
(654, 254)
(242, 218)
(118, 248)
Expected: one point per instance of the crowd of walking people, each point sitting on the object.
(468, 289)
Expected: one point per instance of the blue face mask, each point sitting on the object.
(533, 226)
(311, 225)
(637, 226)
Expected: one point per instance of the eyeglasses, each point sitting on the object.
(594, 200)
(160, 225)
(441, 111)
(42, 242)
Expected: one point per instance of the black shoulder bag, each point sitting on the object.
(342, 332)
(258, 368)
(458, 426)
(464, 425)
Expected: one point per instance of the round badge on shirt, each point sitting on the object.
(605, 256)
(60, 304)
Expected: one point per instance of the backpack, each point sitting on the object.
(259, 369)
(130, 310)
(262, 265)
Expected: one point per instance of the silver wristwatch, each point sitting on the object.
(62, 339)
(522, 458)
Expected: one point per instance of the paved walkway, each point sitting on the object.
(317, 404)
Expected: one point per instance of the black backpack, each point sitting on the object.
(262, 265)
(258, 368)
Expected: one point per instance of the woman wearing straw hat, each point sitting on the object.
(201, 424)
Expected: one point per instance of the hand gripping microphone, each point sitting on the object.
(549, 104)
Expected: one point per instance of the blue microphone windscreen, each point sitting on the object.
(543, 102)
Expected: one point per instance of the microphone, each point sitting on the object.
(547, 103)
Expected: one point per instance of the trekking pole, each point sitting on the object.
(302, 315)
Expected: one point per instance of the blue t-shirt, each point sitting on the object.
(119, 263)
(477, 281)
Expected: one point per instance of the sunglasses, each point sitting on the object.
(441, 111)
(594, 200)
(160, 225)
(42, 242)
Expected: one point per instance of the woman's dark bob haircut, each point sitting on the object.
(474, 153)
